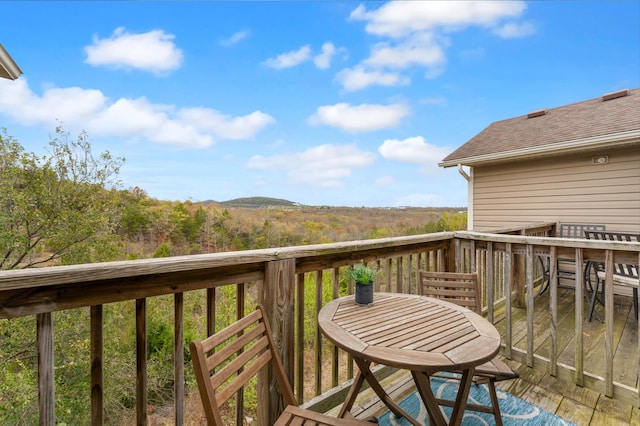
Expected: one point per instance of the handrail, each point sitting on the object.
(62, 287)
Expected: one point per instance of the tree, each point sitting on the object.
(57, 208)
(136, 220)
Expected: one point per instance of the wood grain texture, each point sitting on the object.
(410, 332)
(279, 285)
(141, 362)
(97, 366)
(46, 380)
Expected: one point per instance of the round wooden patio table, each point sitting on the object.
(416, 333)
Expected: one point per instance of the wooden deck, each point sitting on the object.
(579, 405)
(287, 280)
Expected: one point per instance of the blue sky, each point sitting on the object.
(318, 102)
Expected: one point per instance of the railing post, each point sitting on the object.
(141, 362)
(490, 281)
(579, 280)
(46, 384)
(278, 299)
(608, 324)
(529, 296)
(178, 358)
(300, 336)
(457, 247)
(97, 366)
(519, 279)
(508, 277)
(450, 257)
(553, 308)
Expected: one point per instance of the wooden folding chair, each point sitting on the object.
(463, 289)
(241, 350)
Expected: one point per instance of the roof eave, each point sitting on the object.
(604, 141)
(8, 68)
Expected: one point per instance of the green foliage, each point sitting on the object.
(325, 287)
(18, 372)
(162, 251)
(55, 207)
(361, 274)
(136, 220)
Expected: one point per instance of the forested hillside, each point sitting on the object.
(151, 227)
(66, 208)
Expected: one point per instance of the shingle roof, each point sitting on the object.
(588, 119)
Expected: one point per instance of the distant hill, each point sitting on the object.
(254, 202)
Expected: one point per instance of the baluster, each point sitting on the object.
(508, 278)
(553, 307)
(530, 296)
(579, 301)
(178, 357)
(46, 380)
(335, 280)
(240, 295)
(141, 362)
(318, 345)
(97, 366)
(300, 338)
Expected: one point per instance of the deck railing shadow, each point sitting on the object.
(293, 283)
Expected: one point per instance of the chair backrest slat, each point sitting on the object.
(225, 334)
(626, 270)
(455, 287)
(240, 361)
(577, 230)
(235, 346)
(227, 360)
(242, 378)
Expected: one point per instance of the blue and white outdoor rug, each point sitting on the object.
(514, 410)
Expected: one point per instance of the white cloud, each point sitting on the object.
(359, 118)
(290, 59)
(415, 31)
(138, 118)
(414, 150)
(153, 51)
(235, 38)
(358, 78)
(323, 60)
(398, 19)
(515, 30)
(72, 103)
(321, 166)
(421, 50)
(226, 126)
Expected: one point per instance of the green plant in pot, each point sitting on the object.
(363, 277)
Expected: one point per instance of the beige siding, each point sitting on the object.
(564, 189)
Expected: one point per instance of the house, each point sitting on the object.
(578, 163)
(8, 68)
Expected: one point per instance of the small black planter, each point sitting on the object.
(364, 294)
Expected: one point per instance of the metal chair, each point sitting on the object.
(227, 360)
(463, 289)
(625, 275)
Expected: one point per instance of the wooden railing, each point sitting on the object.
(281, 279)
(520, 256)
